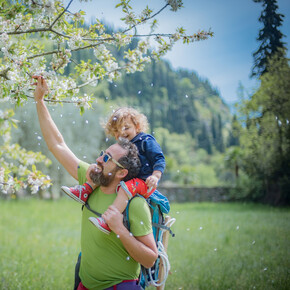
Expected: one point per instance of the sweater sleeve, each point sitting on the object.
(154, 153)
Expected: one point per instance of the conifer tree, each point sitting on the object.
(270, 36)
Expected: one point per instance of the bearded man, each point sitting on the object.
(108, 261)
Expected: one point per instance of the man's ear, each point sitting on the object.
(122, 173)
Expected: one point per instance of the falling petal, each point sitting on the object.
(128, 258)
(200, 228)
(118, 236)
(139, 92)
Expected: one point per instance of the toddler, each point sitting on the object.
(126, 123)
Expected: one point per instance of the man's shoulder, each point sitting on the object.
(82, 169)
(138, 206)
(139, 216)
(138, 201)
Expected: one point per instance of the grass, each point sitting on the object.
(217, 246)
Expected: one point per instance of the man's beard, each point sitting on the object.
(101, 179)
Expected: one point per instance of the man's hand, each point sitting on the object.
(41, 88)
(114, 219)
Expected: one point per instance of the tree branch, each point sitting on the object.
(4, 72)
(59, 16)
(76, 49)
(145, 19)
(55, 101)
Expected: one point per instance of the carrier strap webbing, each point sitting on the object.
(163, 227)
(89, 208)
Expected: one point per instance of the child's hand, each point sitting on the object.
(152, 182)
(91, 168)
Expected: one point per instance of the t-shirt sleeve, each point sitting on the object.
(140, 217)
(82, 170)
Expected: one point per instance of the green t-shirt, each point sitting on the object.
(105, 262)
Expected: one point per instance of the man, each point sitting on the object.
(107, 260)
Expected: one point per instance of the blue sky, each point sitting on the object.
(226, 59)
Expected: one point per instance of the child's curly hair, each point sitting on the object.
(117, 119)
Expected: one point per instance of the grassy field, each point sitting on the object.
(217, 246)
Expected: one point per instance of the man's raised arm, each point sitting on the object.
(50, 132)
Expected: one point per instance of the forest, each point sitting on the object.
(203, 142)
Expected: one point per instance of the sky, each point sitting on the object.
(226, 59)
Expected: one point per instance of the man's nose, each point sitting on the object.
(99, 159)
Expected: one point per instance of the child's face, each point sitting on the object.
(128, 130)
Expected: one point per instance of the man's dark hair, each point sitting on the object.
(131, 160)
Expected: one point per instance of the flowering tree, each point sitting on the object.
(16, 161)
(42, 37)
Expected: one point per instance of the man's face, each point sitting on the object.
(106, 171)
(98, 176)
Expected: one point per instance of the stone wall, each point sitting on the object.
(195, 194)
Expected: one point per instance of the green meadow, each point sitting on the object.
(216, 245)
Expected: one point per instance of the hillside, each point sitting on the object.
(178, 100)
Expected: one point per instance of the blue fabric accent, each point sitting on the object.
(161, 200)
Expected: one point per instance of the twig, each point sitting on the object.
(59, 16)
(145, 19)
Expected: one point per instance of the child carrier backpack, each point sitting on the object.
(159, 206)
